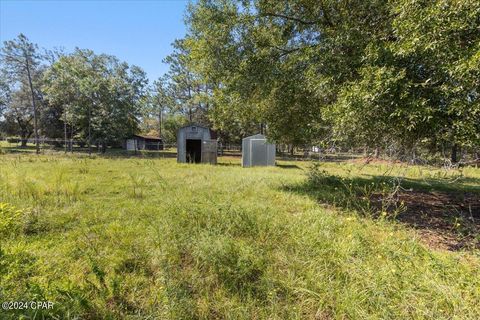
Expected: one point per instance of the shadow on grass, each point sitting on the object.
(235, 154)
(330, 157)
(288, 166)
(138, 154)
(475, 181)
(8, 149)
(460, 184)
(228, 164)
(110, 153)
(447, 215)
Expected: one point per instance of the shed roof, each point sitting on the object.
(147, 137)
(213, 133)
(256, 136)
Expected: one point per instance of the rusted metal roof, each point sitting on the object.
(147, 137)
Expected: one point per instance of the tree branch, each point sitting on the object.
(325, 14)
(288, 51)
(279, 15)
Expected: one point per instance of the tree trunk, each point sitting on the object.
(24, 135)
(89, 130)
(454, 153)
(377, 153)
(71, 138)
(160, 120)
(65, 130)
(35, 126)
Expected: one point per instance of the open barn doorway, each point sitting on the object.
(194, 150)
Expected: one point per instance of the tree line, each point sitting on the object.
(93, 99)
(82, 95)
(379, 75)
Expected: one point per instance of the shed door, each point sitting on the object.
(209, 151)
(258, 152)
(194, 150)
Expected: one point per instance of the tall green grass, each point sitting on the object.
(150, 238)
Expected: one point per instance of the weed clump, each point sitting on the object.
(369, 197)
(15, 222)
(10, 219)
(237, 265)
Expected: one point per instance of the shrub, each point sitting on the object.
(377, 197)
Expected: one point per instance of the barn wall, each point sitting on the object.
(141, 144)
(131, 144)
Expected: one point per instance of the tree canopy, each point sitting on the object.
(101, 95)
(359, 72)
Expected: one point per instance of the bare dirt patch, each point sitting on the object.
(444, 220)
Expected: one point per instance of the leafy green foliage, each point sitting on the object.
(101, 96)
(185, 91)
(437, 44)
(364, 73)
(21, 70)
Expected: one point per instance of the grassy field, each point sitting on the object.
(143, 238)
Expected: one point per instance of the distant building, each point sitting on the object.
(196, 144)
(139, 142)
(257, 151)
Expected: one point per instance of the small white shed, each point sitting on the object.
(257, 151)
(196, 144)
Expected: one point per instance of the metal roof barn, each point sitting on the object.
(257, 151)
(196, 144)
(140, 142)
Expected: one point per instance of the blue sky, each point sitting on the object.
(138, 32)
